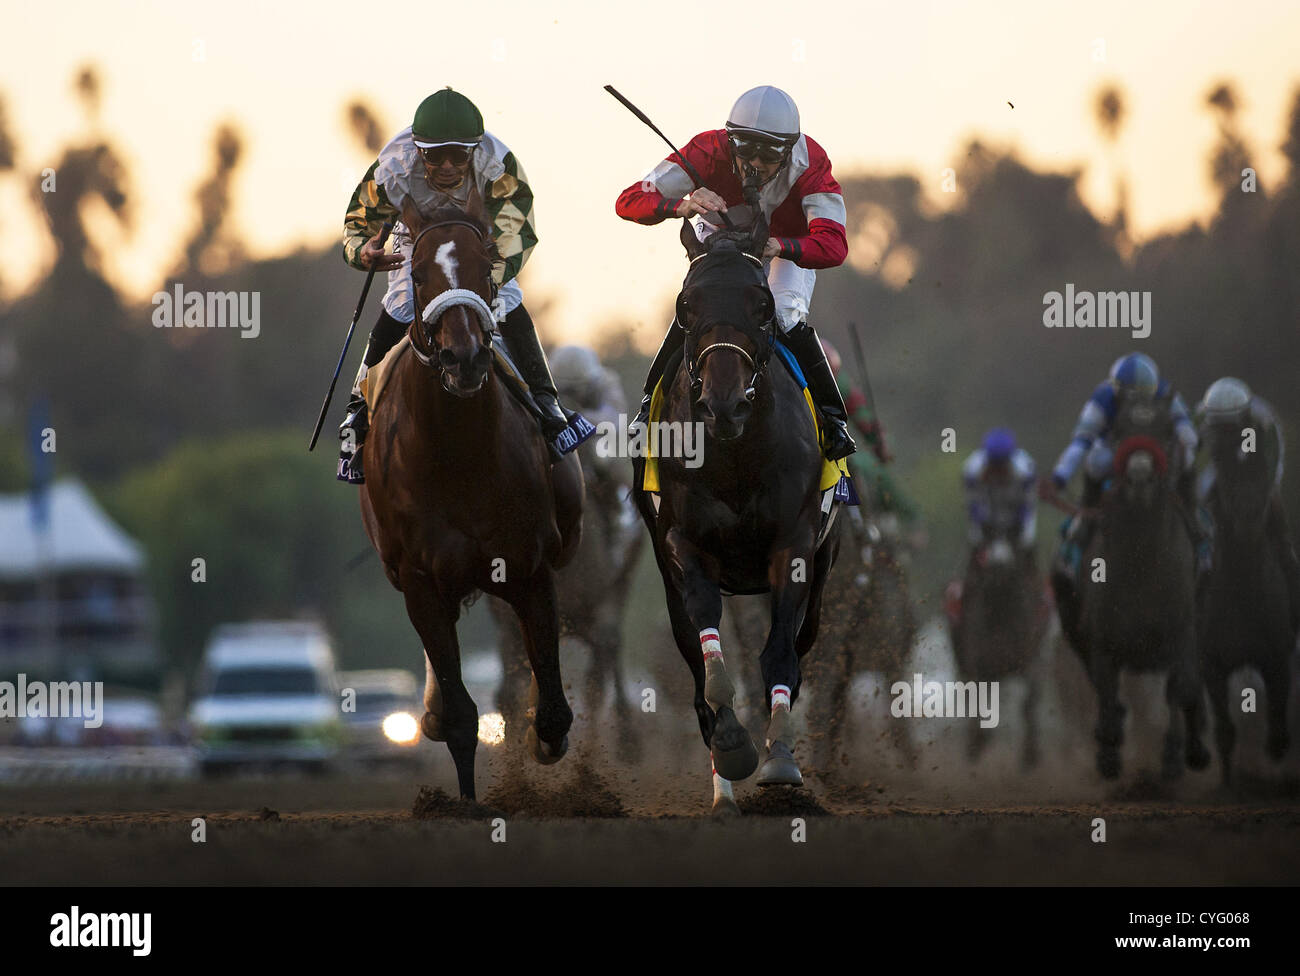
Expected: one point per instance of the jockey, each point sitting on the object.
(434, 163)
(1133, 375)
(595, 391)
(592, 389)
(806, 219)
(1000, 484)
(1227, 410)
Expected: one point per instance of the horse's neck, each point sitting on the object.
(1144, 530)
(456, 428)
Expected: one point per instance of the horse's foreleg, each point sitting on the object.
(795, 574)
(535, 602)
(451, 715)
(1186, 696)
(1225, 733)
(1109, 732)
(1277, 684)
(700, 603)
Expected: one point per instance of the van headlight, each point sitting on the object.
(401, 728)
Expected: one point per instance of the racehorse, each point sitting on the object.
(870, 626)
(746, 519)
(460, 494)
(999, 630)
(1134, 607)
(592, 593)
(1245, 612)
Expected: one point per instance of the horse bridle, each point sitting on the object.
(444, 300)
(695, 360)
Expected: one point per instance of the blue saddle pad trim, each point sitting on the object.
(791, 363)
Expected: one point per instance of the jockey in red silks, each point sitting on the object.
(806, 218)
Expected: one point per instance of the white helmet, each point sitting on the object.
(1226, 400)
(765, 111)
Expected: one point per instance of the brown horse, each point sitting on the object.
(460, 494)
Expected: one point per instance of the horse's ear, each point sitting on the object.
(690, 240)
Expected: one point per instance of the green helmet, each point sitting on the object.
(447, 118)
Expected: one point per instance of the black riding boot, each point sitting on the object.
(1202, 539)
(356, 423)
(672, 342)
(1078, 531)
(807, 348)
(526, 350)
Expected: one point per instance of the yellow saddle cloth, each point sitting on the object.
(832, 471)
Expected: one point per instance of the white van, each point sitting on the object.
(268, 696)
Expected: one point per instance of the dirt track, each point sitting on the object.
(364, 831)
(607, 815)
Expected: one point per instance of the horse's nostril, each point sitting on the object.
(740, 413)
(706, 411)
(446, 359)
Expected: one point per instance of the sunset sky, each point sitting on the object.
(881, 86)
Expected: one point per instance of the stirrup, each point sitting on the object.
(642, 415)
(839, 443)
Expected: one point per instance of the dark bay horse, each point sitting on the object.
(1001, 626)
(747, 518)
(460, 494)
(1245, 612)
(1134, 606)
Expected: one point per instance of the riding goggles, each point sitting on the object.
(437, 155)
(747, 149)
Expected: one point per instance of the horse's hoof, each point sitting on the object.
(724, 808)
(543, 752)
(735, 757)
(780, 769)
(431, 726)
(1198, 756)
(1108, 765)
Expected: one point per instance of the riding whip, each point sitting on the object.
(686, 163)
(365, 290)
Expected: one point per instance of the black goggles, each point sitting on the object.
(747, 149)
(437, 155)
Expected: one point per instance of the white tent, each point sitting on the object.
(81, 536)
